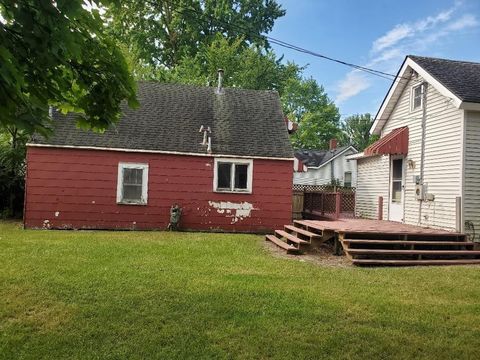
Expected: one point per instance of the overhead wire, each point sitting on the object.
(284, 44)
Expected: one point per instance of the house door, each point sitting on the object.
(397, 182)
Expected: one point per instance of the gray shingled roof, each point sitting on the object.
(462, 78)
(316, 158)
(243, 122)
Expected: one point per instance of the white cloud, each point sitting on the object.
(353, 83)
(464, 22)
(416, 37)
(392, 37)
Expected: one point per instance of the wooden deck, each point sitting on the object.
(376, 242)
(363, 226)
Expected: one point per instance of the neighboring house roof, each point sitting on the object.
(243, 123)
(457, 80)
(319, 158)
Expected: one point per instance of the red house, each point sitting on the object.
(223, 155)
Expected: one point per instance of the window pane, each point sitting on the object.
(241, 174)
(132, 176)
(397, 166)
(417, 97)
(224, 175)
(132, 192)
(396, 191)
(347, 182)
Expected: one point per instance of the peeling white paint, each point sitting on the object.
(57, 213)
(236, 211)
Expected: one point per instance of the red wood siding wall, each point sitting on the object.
(70, 188)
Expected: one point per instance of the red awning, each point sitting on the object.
(394, 143)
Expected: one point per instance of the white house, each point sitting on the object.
(323, 167)
(426, 165)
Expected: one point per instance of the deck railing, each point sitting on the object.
(329, 204)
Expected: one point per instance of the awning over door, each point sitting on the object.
(394, 143)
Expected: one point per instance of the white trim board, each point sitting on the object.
(156, 152)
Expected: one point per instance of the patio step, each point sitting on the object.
(290, 237)
(309, 226)
(282, 244)
(407, 242)
(411, 252)
(301, 231)
(415, 262)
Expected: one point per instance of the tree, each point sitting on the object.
(246, 67)
(356, 131)
(306, 102)
(162, 33)
(12, 170)
(56, 53)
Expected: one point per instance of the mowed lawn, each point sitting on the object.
(116, 295)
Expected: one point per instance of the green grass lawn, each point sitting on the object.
(115, 295)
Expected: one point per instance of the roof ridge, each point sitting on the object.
(229, 88)
(443, 59)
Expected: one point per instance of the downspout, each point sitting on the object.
(422, 147)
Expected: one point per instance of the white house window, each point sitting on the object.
(132, 183)
(233, 175)
(347, 180)
(417, 97)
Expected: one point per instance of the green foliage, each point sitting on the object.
(307, 103)
(162, 33)
(356, 131)
(246, 67)
(57, 54)
(12, 170)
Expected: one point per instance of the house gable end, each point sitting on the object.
(400, 85)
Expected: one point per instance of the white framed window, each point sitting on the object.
(132, 184)
(417, 97)
(233, 175)
(347, 179)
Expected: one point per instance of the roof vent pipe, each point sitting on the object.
(220, 81)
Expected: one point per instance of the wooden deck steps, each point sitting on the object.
(411, 252)
(290, 237)
(294, 237)
(282, 244)
(379, 243)
(297, 230)
(415, 262)
(408, 242)
(423, 250)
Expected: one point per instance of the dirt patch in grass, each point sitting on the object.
(322, 256)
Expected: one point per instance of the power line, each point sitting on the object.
(287, 45)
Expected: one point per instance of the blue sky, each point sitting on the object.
(376, 34)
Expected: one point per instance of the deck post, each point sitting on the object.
(380, 208)
(336, 245)
(338, 202)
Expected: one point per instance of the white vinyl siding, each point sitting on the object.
(443, 156)
(472, 170)
(323, 175)
(372, 182)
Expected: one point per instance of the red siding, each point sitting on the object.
(70, 188)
